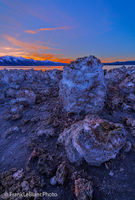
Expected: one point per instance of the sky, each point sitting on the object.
(61, 30)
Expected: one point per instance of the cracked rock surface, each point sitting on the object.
(83, 87)
(94, 139)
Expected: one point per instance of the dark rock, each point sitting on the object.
(127, 147)
(48, 132)
(120, 89)
(83, 189)
(46, 165)
(61, 173)
(11, 131)
(18, 181)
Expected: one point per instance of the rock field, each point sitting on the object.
(68, 134)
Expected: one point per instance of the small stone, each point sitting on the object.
(83, 189)
(26, 95)
(126, 107)
(121, 169)
(128, 147)
(46, 165)
(132, 131)
(16, 116)
(53, 180)
(48, 132)
(25, 186)
(106, 166)
(19, 174)
(111, 173)
(130, 122)
(11, 131)
(61, 173)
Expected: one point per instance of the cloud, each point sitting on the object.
(47, 29)
(30, 31)
(11, 51)
(25, 45)
(49, 56)
(30, 50)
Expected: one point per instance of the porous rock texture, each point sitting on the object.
(83, 87)
(31, 120)
(83, 189)
(94, 139)
(120, 89)
(26, 111)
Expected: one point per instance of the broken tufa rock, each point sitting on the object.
(61, 173)
(83, 87)
(83, 189)
(94, 139)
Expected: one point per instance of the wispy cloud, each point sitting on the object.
(25, 45)
(30, 50)
(30, 31)
(49, 56)
(47, 29)
(11, 51)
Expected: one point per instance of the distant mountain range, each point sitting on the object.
(20, 61)
(121, 63)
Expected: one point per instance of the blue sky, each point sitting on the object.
(61, 30)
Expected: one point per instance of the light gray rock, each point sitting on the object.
(83, 87)
(53, 180)
(16, 76)
(19, 174)
(26, 95)
(25, 186)
(48, 132)
(94, 139)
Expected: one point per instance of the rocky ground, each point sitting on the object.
(70, 156)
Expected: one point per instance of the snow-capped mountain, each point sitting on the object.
(20, 61)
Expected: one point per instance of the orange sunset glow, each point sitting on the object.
(55, 32)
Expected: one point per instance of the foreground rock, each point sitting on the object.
(83, 88)
(29, 86)
(83, 189)
(61, 175)
(120, 89)
(14, 184)
(130, 123)
(31, 121)
(94, 139)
